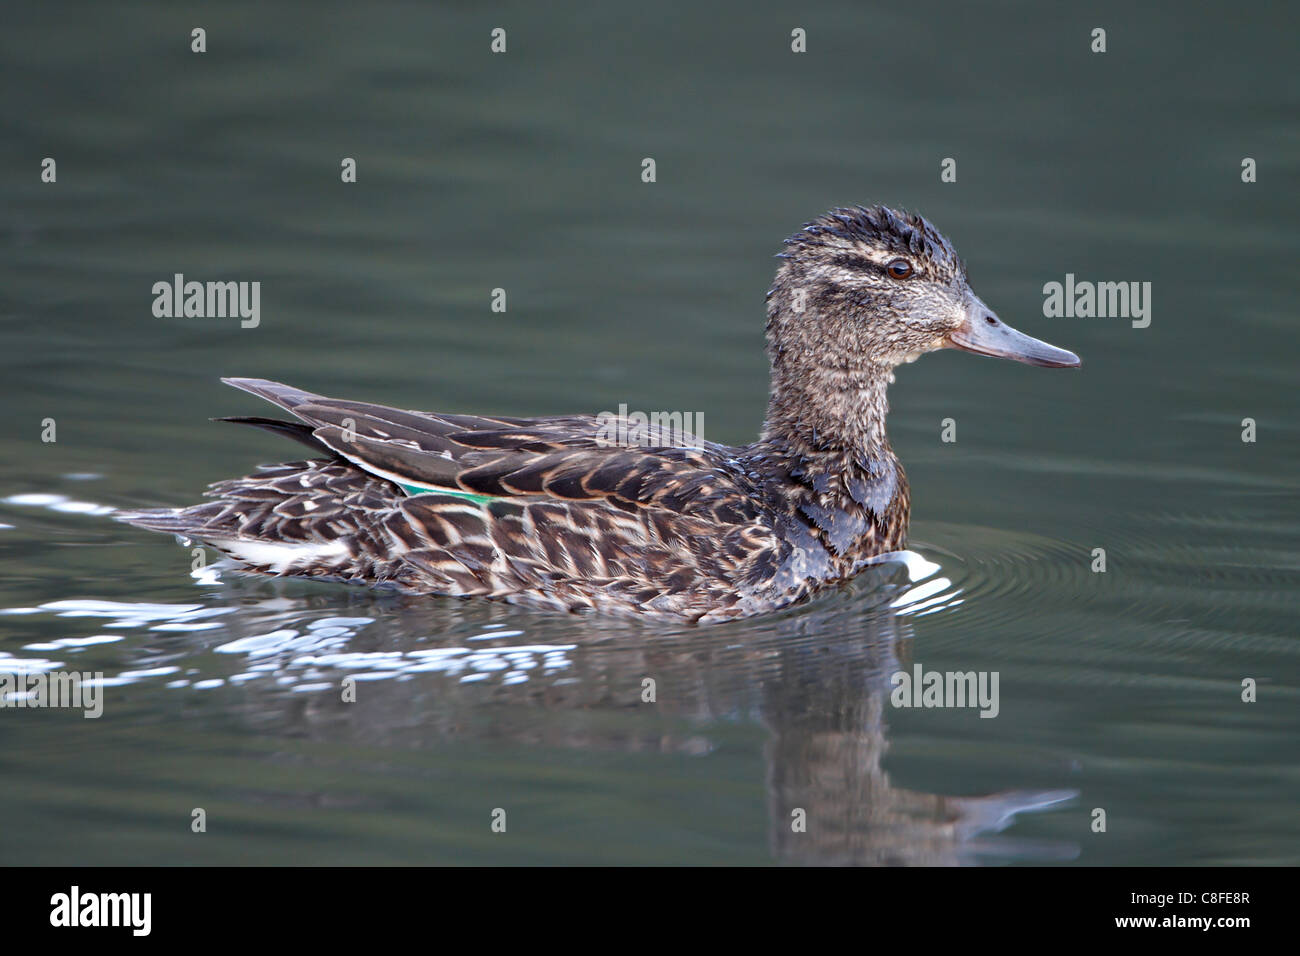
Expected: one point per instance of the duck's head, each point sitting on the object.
(872, 286)
(858, 292)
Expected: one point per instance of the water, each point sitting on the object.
(1119, 690)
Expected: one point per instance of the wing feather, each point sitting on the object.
(562, 458)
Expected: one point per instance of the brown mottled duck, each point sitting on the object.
(550, 511)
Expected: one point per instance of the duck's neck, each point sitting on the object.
(829, 418)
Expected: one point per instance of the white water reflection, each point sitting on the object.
(928, 593)
(60, 503)
(307, 654)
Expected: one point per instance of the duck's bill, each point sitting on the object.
(985, 334)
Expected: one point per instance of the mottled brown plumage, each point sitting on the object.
(552, 512)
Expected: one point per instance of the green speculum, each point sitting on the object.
(422, 490)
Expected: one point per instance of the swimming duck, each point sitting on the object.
(555, 512)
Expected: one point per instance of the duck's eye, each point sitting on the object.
(899, 268)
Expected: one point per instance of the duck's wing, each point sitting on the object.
(543, 509)
(571, 458)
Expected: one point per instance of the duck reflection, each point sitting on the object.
(428, 675)
(817, 679)
(830, 800)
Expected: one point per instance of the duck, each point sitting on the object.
(571, 514)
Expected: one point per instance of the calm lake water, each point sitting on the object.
(1119, 690)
